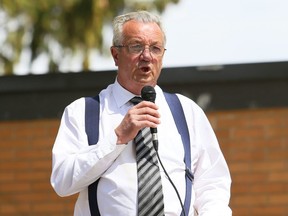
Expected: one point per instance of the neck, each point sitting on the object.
(134, 88)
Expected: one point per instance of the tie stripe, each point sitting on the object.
(150, 195)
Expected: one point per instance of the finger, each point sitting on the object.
(147, 104)
(148, 118)
(142, 110)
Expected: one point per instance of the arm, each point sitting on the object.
(76, 164)
(212, 177)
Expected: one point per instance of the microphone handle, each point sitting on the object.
(153, 130)
(154, 138)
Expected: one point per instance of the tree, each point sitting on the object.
(39, 27)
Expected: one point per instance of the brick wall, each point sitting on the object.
(254, 142)
(25, 167)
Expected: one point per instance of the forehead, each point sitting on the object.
(142, 32)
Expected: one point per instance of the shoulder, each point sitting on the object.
(76, 104)
(188, 103)
(73, 113)
(192, 110)
(81, 102)
(75, 109)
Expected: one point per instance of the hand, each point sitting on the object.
(144, 114)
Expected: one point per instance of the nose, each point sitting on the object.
(146, 54)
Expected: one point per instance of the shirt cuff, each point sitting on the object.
(109, 146)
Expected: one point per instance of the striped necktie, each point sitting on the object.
(150, 194)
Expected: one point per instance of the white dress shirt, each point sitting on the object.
(76, 164)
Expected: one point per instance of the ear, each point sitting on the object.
(114, 52)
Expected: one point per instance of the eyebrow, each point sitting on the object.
(132, 41)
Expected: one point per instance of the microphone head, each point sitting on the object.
(148, 93)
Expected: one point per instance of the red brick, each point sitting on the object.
(248, 133)
(15, 187)
(280, 176)
(269, 210)
(278, 199)
(270, 166)
(15, 166)
(251, 200)
(7, 177)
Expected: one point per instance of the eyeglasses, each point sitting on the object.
(137, 49)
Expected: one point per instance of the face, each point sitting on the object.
(137, 70)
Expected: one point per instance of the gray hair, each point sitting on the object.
(139, 16)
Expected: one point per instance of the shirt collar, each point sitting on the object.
(121, 95)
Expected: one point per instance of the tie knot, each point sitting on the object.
(136, 100)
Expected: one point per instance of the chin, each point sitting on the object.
(145, 83)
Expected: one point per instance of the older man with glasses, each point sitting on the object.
(134, 176)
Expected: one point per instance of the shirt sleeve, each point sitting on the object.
(75, 164)
(212, 179)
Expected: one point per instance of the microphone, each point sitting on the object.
(148, 94)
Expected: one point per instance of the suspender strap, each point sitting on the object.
(180, 121)
(92, 107)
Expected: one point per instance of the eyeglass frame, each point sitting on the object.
(143, 49)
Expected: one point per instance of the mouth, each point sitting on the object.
(145, 69)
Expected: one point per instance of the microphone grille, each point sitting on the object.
(148, 93)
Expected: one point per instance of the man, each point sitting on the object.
(138, 49)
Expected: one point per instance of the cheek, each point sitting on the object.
(127, 67)
(131, 65)
(158, 65)
(127, 62)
